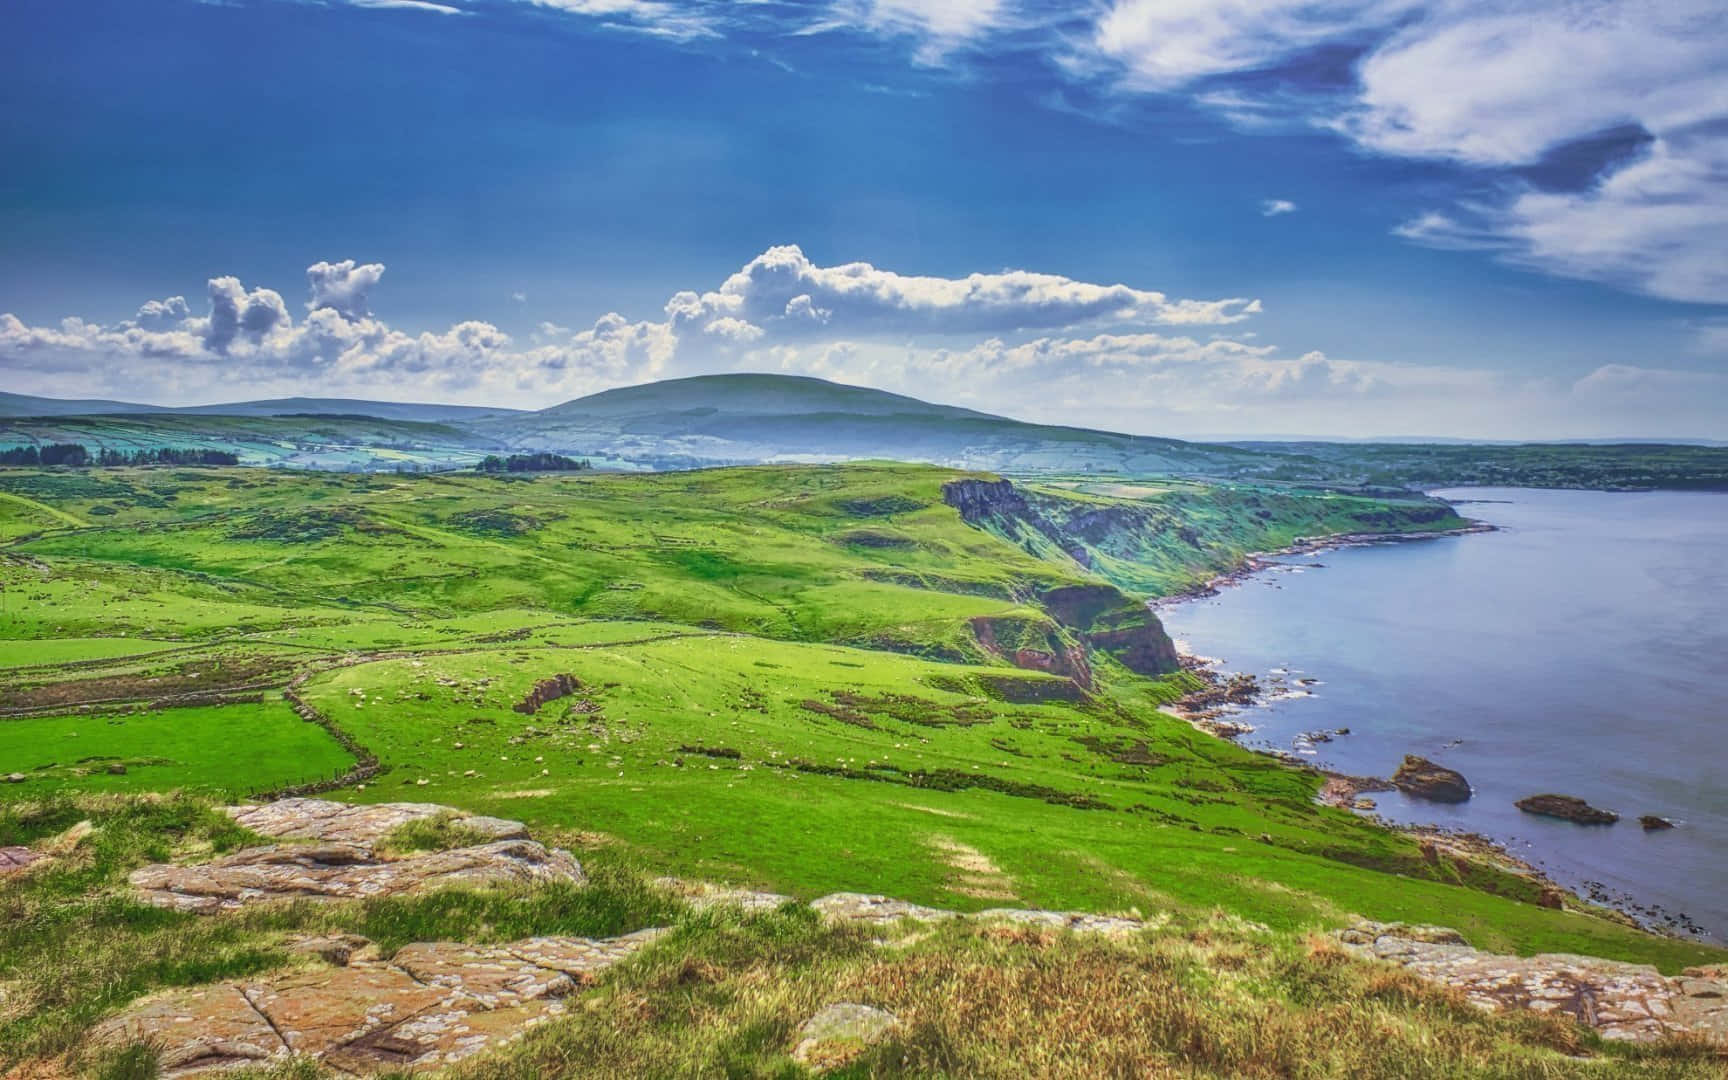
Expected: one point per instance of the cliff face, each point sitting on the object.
(1099, 618)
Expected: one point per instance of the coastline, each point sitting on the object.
(1256, 562)
(1213, 710)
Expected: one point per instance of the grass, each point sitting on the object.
(74, 945)
(1207, 997)
(225, 750)
(806, 679)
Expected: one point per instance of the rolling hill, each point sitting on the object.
(737, 419)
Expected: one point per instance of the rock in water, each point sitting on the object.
(1567, 808)
(1422, 778)
(1653, 823)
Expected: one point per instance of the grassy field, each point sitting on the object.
(807, 679)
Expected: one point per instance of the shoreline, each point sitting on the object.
(1256, 562)
(1213, 708)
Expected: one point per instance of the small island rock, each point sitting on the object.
(1568, 808)
(1422, 778)
(1654, 823)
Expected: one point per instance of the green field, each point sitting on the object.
(881, 678)
(806, 678)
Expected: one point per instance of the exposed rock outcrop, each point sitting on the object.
(341, 823)
(1422, 778)
(430, 1006)
(1567, 808)
(1653, 823)
(1103, 617)
(1621, 1001)
(340, 859)
(343, 872)
(864, 909)
(545, 690)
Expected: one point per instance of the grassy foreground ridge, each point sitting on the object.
(909, 680)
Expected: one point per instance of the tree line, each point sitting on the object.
(78, 455)
(492, 463)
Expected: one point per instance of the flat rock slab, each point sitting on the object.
(318, 1011)
(866, 910)
(365, 826)
(1621, 1001)
(210, 1027)
(343, 872)
(427, 1007)
(14, 859)
(583, 958)
(486, 976)
(703, 895)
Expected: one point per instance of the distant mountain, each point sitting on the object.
(383, 410)
(747, 419)
(751, 395)
(26, 405)
(754, 418)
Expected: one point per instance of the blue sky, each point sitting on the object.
(1189, 217)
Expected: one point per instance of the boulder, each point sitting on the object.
(1567, 808)
(839, 1033)
(1425, 780)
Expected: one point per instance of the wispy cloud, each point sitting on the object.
(1276, 207)
(410, 5)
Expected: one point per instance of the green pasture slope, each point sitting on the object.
(805, 678)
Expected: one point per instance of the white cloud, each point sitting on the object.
(410, 5)
(1038, 346)
(342, 287)
(939, 26)
(1494, 85)
(662, 18)
(784, 294)
(1165, 45)
(1275, 207)
(780, 296)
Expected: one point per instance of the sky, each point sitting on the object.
(1343, 218)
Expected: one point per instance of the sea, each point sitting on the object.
(1580, 648)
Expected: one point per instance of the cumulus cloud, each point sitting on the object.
(342, 287)
(778, 297)
(1039, 346)
(1275, 207)
(783, 294)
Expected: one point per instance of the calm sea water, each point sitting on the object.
(1581, 649)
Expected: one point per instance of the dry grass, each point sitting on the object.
(1213, 998)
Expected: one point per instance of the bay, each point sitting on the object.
(1582, 649)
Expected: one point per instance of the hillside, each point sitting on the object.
(24, 405)
(756, 418)
(891, 679)
(752, 419)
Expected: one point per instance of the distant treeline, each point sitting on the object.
(78, 454)
(531, 463)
